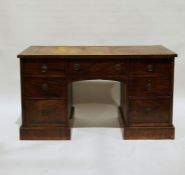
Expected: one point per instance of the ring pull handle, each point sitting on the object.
(44, 87)
(44, 68)
(150, 68)
(46, 111)
(148, 109)
(76, 67)
(117, 67)
(149, 85)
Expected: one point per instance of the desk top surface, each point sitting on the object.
(154, 50)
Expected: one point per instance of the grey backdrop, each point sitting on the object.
(89, 22)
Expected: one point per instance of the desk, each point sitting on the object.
(144, 72)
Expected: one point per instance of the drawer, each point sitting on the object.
(143, 86)
(45, 111)
(43, 67)
(150, 67)
(43, 87)
(96, 67)
(149, 111)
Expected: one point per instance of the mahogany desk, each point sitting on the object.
(145, 73)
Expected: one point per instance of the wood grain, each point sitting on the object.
(43, 87)
(45, 112)
(149, 112)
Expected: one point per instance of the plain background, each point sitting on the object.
(98, 147)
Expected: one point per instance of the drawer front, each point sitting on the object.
(43, 87)
(149, 87)
(96, 67)
(43, 68)
(45, 111)
(150, 67)
(149, 111)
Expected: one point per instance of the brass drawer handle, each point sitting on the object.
(44, 68)
(148, 109)
(150, 68)
(117, 67)
(76, 67)
(149, 85)
(46, 111)
(44, 87)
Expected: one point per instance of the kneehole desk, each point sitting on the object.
(145, 73)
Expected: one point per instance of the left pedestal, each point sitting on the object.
(44, 100)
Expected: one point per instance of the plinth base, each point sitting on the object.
(153, 133)
(45, 133)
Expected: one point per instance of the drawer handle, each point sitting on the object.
(149, 85)
(150, 68)
(117, 67)
(76, 67)
(44, 68)
(46, 111)
(148, 109)
(44, 87)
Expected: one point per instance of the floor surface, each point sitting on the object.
(96, 146)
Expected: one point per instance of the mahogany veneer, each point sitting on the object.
(145, 72)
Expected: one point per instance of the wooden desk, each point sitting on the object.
(145, 72)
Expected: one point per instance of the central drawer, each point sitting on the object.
(96, 67)
(43, 87)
